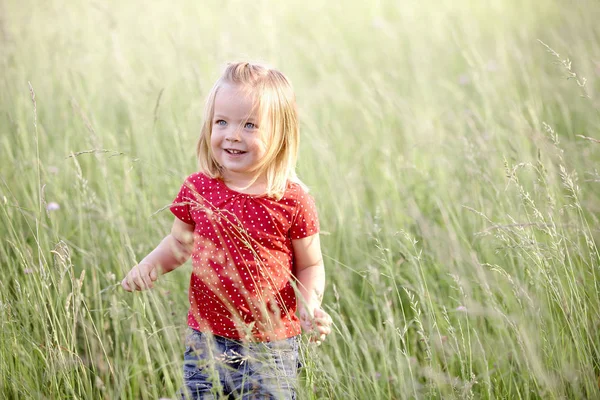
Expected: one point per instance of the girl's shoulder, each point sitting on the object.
(200, 182)
(304, 217)
(293, 190)
(297, 193)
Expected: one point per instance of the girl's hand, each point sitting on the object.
(317, 325)
(141, 277)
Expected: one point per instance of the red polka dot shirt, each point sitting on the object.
(243, 261)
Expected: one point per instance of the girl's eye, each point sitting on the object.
(220, 122)
(249, 125)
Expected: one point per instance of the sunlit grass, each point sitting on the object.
(452, 162)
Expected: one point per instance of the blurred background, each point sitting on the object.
(452, 148)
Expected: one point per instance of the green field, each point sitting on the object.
(451, 145)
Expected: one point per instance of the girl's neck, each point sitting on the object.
(245, 184)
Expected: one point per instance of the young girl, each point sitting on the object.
(252, 232)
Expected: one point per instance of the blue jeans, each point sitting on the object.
(215, 367)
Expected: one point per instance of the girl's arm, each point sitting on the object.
(310, 271)
(310, 274)
(172, 251)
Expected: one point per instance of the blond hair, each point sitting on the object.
(276, 105)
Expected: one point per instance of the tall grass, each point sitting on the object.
(452, 162)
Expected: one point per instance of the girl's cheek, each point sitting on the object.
(264, 143)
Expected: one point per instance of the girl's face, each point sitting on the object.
(236, 140)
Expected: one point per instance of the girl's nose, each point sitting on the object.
(233, 135)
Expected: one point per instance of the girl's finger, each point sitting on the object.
(319, 312)
(321, 315)
(125, 285)
(147, 282)
(323, 321)
(317, 340)
(153, 275)
(324, 329)
(138, 283)
(130, 281)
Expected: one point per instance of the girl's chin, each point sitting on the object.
(236, 169)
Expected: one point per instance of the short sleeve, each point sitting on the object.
(181, 206)
(306, 219)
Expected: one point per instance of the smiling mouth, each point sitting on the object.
(233, 151)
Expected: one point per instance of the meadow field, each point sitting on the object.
(452, 147)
